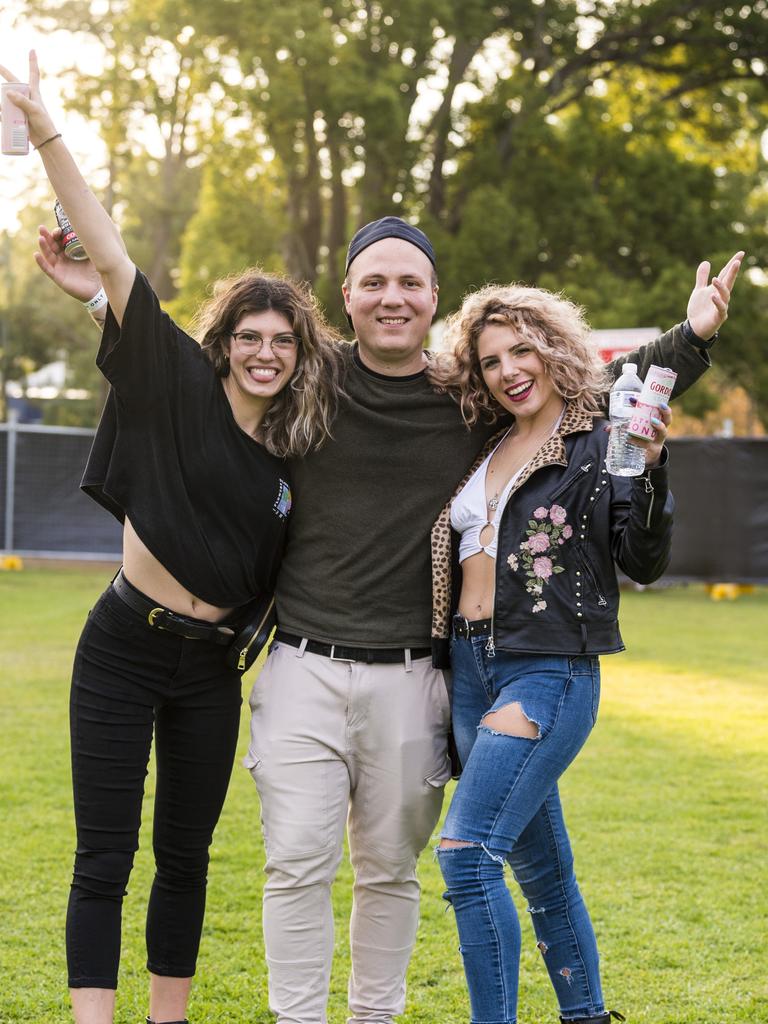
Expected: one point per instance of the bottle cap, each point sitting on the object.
(629, 368)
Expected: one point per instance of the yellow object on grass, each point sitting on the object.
(728, 591)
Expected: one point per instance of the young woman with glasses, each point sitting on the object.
(189, 455)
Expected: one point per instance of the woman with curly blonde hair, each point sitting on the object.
(541, 524)
(554, 325)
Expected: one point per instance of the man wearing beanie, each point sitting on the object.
(350, 718)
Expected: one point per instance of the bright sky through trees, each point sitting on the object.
(21, 178)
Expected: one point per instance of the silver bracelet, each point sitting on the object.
(99, 299)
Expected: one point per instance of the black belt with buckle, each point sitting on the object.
(340, 652)
(163, 618)
(465, 629)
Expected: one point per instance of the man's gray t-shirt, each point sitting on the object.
(357, 568)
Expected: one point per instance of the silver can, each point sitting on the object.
(73, 247)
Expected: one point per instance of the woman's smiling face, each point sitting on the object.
(261, 371)
(514, 372)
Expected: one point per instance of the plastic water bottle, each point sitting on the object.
(623, 457)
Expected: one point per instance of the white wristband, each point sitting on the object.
(99, 299)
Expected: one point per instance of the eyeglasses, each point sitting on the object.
(252, 341)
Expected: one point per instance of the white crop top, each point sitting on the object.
(469, 512)
(469, 509)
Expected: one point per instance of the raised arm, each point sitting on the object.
(93, 225)
(684, 348)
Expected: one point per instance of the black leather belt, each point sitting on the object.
(465, 629)
(340, 652)
(163, 618)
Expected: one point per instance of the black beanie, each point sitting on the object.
(388, 227)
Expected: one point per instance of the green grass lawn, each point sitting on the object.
(666, 808)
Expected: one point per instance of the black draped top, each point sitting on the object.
(207, 500)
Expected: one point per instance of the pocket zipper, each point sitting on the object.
(585, 468)
(590, 572)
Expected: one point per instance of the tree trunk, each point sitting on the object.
(337, 230)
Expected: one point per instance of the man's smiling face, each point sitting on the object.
(391, 296)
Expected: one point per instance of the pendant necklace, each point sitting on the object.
(493, 501)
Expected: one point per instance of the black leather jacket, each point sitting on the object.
(565, 526)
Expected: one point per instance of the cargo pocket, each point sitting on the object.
(252, 762)
(441, 774)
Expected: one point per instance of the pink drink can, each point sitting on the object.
(657, 390)
(15, 136)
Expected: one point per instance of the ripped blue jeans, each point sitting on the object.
(508, 806)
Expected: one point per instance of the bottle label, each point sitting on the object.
(620, 405)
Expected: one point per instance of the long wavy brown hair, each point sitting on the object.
(552, 325)
(301, 415)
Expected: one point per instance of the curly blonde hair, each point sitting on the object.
(552, 325)
(301, 415)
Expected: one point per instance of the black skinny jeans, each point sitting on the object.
(129, 679)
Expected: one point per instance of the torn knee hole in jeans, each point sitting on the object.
(455, 845)
(511, 720)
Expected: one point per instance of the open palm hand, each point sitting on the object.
(708, 304)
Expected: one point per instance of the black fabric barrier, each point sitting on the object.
(721, 520)
(51, 514)
(720, 487)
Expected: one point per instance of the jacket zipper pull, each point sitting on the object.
(649, 490)
(490, 647)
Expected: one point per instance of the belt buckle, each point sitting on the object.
(153, 615)
(350, 661)
(465, 633)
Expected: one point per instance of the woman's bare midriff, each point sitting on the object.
(478, 582)
(143, 570)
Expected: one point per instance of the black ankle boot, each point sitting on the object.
(600, 1018)
(185, 1021)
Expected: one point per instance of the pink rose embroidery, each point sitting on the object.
(539, 543)
(557, 515)
(538, 552)
(542, 567)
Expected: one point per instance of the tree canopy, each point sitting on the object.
(602, 147)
